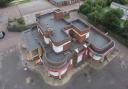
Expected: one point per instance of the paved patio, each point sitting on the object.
(10, 40)
(11, 12)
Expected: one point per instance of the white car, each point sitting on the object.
(2, 34)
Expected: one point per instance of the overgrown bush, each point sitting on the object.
(17, 25)
(4, 3)
(20, 20)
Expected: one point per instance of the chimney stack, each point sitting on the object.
(58, 14)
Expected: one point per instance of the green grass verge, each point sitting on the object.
(66, 17)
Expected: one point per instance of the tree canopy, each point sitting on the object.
(4, 3)
(100, 12)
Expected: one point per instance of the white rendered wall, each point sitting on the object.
(80, 57)
(58, 49)
(46, 40)
(71, 62)
(67, 31)
(63, 71)
(97, 58)
(87, 35)
(54, 73)
(58, 73)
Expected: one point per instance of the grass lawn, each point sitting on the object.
(20, 1)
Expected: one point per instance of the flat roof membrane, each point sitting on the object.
(52, 56)
(97, 39)
(30, 40)
(57, 26)
(79, 24)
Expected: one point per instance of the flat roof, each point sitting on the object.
(97, 39)
(33, 39)
(52, 56)
(56, 25)
(79, 24)
(30, 39)
(75, 45)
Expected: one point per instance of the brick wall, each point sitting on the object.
(79, 38)
(58, 15)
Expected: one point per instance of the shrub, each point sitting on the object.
(17, 25)
(20, 21)
(17, 28)
(4, 3)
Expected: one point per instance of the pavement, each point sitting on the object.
(12, 74)
(34, 6)
(10, 40)
(11, 12)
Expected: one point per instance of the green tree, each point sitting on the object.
(94, 16)
(4, 3)
(92, 5)
(87, 9)
(112, 14)
(111, 18)
(81, 7)
(126, 25)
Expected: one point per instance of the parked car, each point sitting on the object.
(2, 34)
